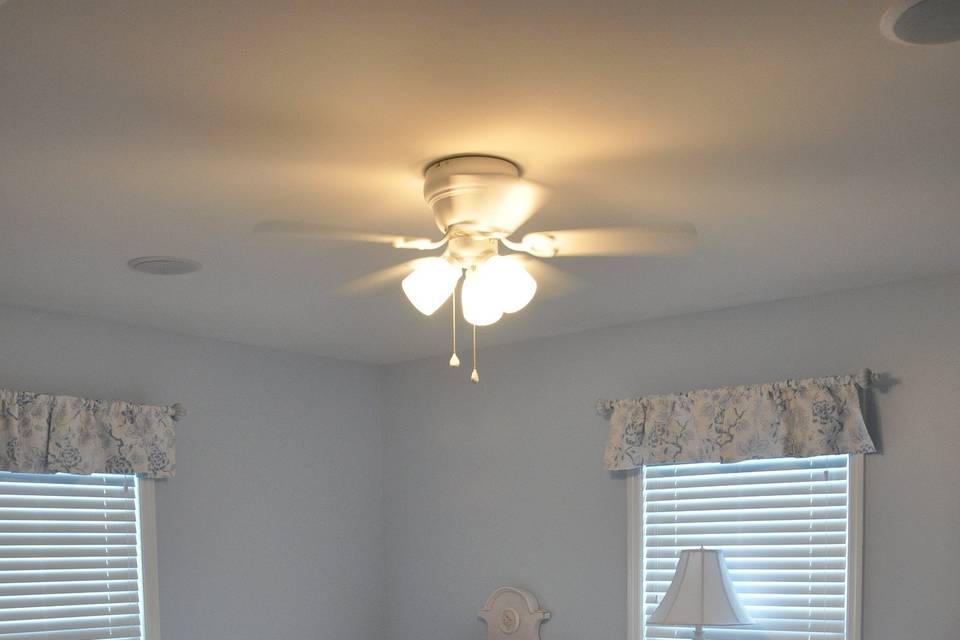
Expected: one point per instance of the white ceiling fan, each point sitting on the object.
(478, 202)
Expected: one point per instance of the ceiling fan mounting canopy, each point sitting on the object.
(480, 195)
(474, 163)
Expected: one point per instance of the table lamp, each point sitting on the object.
(701, 594)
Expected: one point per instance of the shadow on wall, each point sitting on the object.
(882, 382)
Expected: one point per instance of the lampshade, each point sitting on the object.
(701, 593)
(430, 284)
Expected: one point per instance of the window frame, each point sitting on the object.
(854, 599)
(145, 534)
(147, 541)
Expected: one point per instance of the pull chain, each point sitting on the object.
(474, 376)
(454, 359)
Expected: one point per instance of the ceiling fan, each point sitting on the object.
(478, 202)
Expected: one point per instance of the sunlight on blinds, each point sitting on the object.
(782, 525)
(69, 562)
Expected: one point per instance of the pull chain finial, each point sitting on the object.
(454, 359)
(474, 376)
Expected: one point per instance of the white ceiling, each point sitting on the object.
(811, 153)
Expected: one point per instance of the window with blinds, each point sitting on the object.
(69, 557)
(784, 528)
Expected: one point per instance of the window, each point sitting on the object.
(790, 532)
(76, 557)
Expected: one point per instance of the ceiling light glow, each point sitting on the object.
(499, 285)
(480, 298)
(516, 286)
(430, 284)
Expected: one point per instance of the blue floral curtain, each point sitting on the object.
(42, 433)
(794, 418)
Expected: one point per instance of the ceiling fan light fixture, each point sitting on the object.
(497, 286)
(480, 297)
(430, 284)
(516, 287)
(479, 203)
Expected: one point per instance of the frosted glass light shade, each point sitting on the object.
(480, 297)
(515, 285)
(701, 593)
(430, 284)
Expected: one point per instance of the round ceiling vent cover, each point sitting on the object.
(922, 21)
(163, 265)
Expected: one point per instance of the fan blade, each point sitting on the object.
(299, 228)
(643, 240)
(499, 203)
(370, 283)
(552, 282)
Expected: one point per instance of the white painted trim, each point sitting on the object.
(147, 534)
(855, 482)
(634, 553)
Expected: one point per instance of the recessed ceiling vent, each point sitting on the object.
(163, 265)
(922, 21)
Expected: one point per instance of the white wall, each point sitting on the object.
(501, 482)
(273, 526)
(277, 522)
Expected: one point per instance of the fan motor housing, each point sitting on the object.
(457, 189)
(470, 251)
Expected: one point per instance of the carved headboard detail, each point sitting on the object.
(512, 613)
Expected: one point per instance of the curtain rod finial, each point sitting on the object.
(179, 413)
(865, 378)
(604, 408)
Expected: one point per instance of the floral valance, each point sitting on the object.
(793, 418)
(42, 433)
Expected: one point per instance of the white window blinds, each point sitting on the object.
(69, 559)
(783, 527)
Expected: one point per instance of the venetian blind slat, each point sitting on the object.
(782, 525)
(69, 561)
